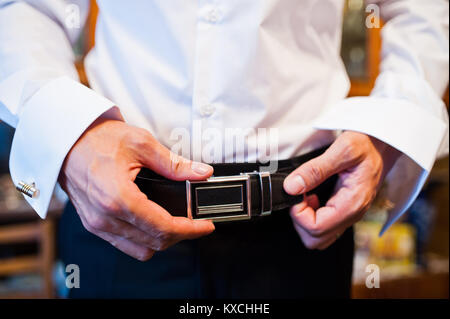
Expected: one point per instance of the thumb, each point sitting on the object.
(314, 172)
(172, 166)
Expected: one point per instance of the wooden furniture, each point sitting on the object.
(373, 48)
(423, 286)
(89, 40)
(429, 284)
(27, 245)
(41, 232)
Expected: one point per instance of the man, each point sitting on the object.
(161, 65)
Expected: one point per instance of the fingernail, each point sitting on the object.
(201, 168)
(294, 184)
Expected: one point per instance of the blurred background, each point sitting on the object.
(412, 255)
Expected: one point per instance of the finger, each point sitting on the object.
(312, 201)
(186, 228)
(309, 241)
(331, 238)
(170, 165)
(342, 210)
(306, 209)
(164, 238)
(312, 242)
(130, 232)
(157, 222)
(314, 172)
(137, 251)
(328, 242)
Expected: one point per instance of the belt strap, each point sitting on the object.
(236, 191)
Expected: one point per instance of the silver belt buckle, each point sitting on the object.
(222, 198)
(265, 188)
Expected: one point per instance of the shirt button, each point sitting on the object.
(213, 15)
(207, 110)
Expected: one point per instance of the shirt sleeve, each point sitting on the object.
(39, 91)
(405, 109)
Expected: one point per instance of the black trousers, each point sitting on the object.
(261, 258)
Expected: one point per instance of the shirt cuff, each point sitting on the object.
(52, 120)
(411, 129)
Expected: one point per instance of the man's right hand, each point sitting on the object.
(98, 175)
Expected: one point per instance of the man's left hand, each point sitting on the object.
(361, 163)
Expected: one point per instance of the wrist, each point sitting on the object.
(388, 153)
(80, 149)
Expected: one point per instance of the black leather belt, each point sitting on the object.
(236, 191)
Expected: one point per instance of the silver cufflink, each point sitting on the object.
(28, 189)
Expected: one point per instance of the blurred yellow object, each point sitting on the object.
(395, 249)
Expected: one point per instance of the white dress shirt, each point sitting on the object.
(171, 64)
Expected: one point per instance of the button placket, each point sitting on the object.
(209, 15)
